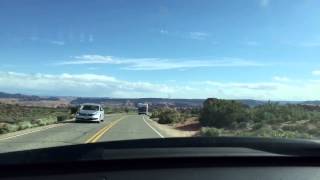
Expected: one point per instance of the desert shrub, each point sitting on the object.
(24, 125)
(195, 111)
(49, 120)
(258, 125)
(6, 128)
(273, 113)
(266, 132)
(211, 132)
(314, 132)
(74, 109)
(155, 113)
(222, 113)
(243, 125)
(62, 117)
(17, 117)
(38, 122)
(168, 116)
(108, 110)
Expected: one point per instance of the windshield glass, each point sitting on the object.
(90, 107)
(157, 69)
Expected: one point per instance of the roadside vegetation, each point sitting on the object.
(172, 115)
(16, 117)
(120, 109)
(230, 118)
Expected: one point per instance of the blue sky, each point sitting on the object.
(260, 49)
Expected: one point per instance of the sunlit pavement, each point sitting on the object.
(115, 127)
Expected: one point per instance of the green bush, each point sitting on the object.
(314, 132)
(13, 117)
(273, 113)
(74, 109)
(280, 134)
(62, 118)
(168, 116)
(222, 113)
(24, 125)
(108, 110)
(269, 120)
(155, 113)
(38, 122)
(258, 125)
(211, 132)
(6, 128)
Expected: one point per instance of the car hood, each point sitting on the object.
(161, 148)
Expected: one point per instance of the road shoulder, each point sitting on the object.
(169, 130)
(29, 131)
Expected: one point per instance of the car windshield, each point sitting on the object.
(90, 107)
(157, 69)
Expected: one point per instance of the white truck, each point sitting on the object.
(143, 108)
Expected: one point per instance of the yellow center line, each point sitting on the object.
(102, 131)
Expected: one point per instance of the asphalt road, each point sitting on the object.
(115, 127)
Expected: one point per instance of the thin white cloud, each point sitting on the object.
(163, 31)
(79, 85)
(44, 40)
(194, 35)
(281, 79)
(316, 72)
(93, 68)
(307, 90)
(16, 74)
(82, 37)
(264, 3)
(96, 85)
(198, 35)
(250, 86)
(59, 43)
(91, 59)
(160, 64)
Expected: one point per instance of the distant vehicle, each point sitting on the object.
(90, 112)
(143, 108)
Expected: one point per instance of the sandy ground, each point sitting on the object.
(187, 129)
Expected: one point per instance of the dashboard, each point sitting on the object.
(230, 173)
(222, 168)
(225, 159)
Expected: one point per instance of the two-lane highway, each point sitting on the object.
(131, 127)
(115, 127)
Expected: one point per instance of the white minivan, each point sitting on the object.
(90, 112)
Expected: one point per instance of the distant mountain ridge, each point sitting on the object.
(177, 102)
(23, 97)
(134, 101)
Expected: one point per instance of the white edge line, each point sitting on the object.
(10, 137)
(152, 128)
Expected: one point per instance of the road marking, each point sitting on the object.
(152, 128)
(102, 131)
(105, 130)
(29, 132)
